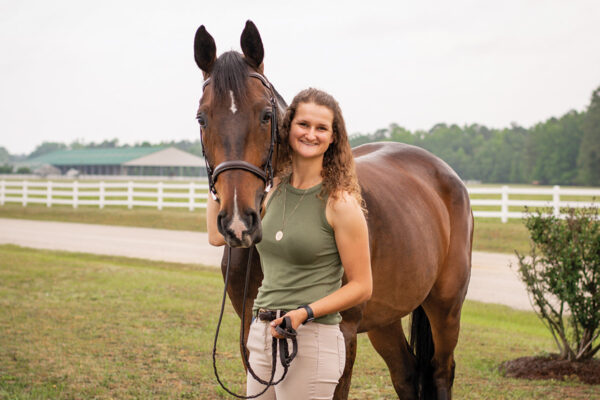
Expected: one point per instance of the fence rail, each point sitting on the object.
(552, 198)
(497, 202)
(161, 195)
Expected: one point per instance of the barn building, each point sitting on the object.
(132, 161)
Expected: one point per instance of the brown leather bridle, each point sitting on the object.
(266, 174)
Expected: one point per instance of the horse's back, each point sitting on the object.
(418, 213)
(393, 158)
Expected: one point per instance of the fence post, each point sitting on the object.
(556, 200)
(2, 191)
(24, 197)
(101, 199)
(75, 193)
(191, 196)
(160, 195)
(49, 194)
(130, 195)
(504, 206)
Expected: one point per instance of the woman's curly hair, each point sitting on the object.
(339, 172)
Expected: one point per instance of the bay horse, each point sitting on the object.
(419, 219)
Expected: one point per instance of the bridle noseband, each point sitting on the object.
(266, 174)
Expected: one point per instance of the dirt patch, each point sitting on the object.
(552, 368)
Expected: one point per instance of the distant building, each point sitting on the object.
(135, 161)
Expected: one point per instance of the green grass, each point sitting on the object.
(494, 236)
(78, 326)
(177, 219)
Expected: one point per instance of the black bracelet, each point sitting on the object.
(309, 311)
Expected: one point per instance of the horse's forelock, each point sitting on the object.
(230, 75)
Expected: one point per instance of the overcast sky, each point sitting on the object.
(95, 70)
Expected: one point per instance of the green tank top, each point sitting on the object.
(305, 264)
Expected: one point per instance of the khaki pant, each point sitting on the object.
(313, 374)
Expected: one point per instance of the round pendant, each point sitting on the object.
(278, 235)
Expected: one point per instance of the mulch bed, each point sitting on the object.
(552, 368)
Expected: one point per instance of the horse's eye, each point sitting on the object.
(266, 117)
(201, 120)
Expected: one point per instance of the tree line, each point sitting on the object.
(558, 151)
(561, 151)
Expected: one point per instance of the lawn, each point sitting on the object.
(78, 326)
(177, 219)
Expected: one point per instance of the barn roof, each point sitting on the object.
(170, 156)
(112, 156)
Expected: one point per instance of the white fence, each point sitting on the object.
(193, 195)
(130, 194)
(84, 177)
(553, 200)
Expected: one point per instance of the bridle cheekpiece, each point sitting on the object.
(267, 173)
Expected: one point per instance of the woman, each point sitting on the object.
(314, 231)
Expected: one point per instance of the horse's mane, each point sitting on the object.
(230, 73)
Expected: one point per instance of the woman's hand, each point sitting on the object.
(212, 210)
(297, 317)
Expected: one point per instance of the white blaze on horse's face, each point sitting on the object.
(233, 107)
(237, 225)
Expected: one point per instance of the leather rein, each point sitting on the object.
(285, 329)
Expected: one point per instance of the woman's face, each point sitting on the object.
(311, 130)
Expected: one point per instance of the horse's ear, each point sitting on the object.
(205, 50)
(252, 46)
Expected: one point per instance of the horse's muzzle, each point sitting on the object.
(241, 229)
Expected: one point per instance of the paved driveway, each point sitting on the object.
(492, 280)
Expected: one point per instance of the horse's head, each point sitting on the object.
(238, 123)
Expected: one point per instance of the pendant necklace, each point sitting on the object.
(279, 234)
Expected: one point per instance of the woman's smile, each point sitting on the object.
(311, 130)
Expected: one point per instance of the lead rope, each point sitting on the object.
(286, 330)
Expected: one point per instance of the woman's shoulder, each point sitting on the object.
(342, 205)
(276, 184)
(342, 200)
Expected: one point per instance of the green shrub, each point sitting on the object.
(562, 276)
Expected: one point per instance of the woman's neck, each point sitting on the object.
(306, 173)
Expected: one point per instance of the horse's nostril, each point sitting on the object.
(254, 219)
(220, 225)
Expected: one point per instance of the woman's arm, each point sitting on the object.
(212, 210)
(352, 239)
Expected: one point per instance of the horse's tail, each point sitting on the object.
(421, 342)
